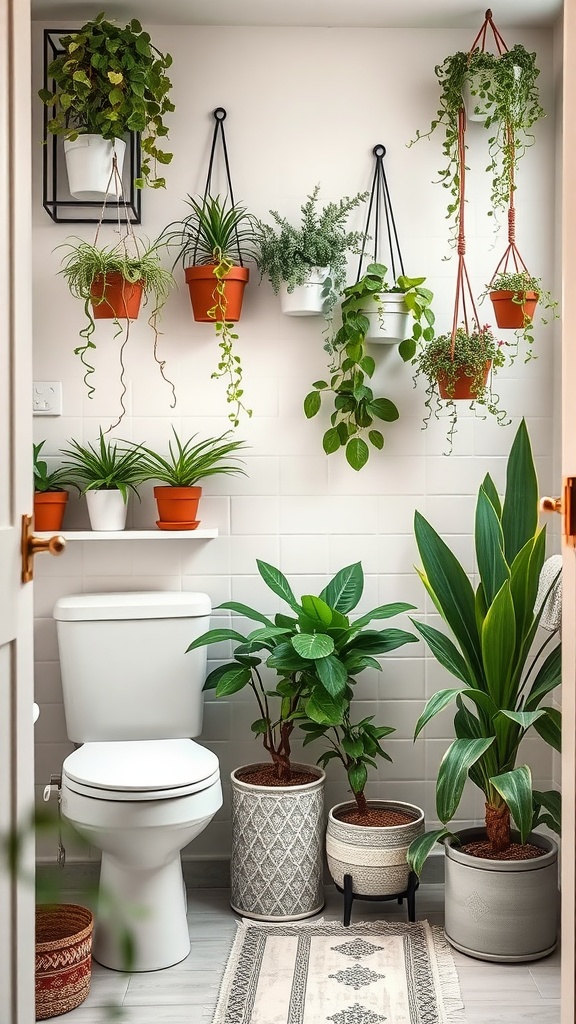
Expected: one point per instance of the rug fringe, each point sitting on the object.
(448, 977)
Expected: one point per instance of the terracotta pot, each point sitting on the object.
(177, 505)
(121, 298)
(49, 509)
(463, 385)
(512, 315)
(202, 285)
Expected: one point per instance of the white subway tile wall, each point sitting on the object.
(304, 106)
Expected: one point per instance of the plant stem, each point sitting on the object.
(498, 826)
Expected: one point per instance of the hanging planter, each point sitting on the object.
(202, 284)
(515, 294)
(90, 163)
(388, 318)
(306, 299)
(464, 383)
(114, 298)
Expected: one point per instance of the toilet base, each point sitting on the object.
(142, 909)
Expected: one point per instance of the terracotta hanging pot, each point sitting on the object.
(463, 384)
(177, 507)
(512, 315)
(202, 285)
(120, 298)
(49, 509)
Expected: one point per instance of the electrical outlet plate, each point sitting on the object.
(47, 398)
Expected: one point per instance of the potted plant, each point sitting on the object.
(301, 667)
(390, 308)
(110, 281)
(50, 494)
(105, 474)
(514, 296)
(307, 264)
(180, 471)
(507, 82)
(213, 240)
(501, 886)
(108, 81)
(355, 407)
(464, 374)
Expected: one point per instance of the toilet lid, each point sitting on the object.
(142, 766)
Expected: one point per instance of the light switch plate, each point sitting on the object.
(47, 398)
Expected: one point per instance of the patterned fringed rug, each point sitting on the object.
(320, 972)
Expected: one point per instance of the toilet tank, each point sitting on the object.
(125, 671)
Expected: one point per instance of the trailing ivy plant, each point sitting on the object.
(521, 282)
(473, 349)
(110, 81)
(504, 85)
(355, 407)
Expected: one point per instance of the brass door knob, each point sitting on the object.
(551, 505)
(34, 545)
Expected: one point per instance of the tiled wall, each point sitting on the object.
(304, 106)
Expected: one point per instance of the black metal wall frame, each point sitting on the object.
(56, 198)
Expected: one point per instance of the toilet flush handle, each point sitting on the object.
(52, 787)
(55, 786)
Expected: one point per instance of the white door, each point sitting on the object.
(16, 689)
(569, 566)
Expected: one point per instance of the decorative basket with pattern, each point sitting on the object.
(374, 855)
(63, 957)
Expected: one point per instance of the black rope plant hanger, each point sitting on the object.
(111, 280)
(372, 311)
(213, 241)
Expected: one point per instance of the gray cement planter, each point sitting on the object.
(374, 856)
(504, 911)
(277, 848)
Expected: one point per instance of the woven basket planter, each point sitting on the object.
(277, 855)
(375, 856)
(63, 957)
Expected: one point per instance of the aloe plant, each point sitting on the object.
(502, 687)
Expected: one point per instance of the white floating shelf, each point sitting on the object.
(206, 534)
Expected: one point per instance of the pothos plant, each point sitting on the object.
(520, 283)
(476, 355)
(505, 85)
(313, 655)
(355, 407)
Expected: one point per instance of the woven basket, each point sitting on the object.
(63, 957)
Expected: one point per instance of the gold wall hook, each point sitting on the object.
(566, 506)
(34, 545)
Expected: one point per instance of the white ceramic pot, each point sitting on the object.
(306, 299)
(477, 108)
(89, 166)
(107, 510)
(501, 910)
(277, 848)
(374, 855)
(389, 319)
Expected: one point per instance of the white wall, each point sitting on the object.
(304, 105)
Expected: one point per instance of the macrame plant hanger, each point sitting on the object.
(219, 115)
(464, 298)
(380, 200)
(126, 237)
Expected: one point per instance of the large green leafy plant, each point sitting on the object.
(110, 81)
(503, 681)
(355, 746)
(315, 653)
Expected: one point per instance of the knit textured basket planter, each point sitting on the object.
(501, 910)
(63, 958)
(277, 848)
(203, 295)
(177, 505)
(49, 509)
(512, 315)
(120, 299)
(374, 855)
(463, 385)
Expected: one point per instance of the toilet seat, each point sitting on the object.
(140, 769)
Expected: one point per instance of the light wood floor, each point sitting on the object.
(186, 994)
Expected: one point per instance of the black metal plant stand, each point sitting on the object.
(409, 895)
(380, 201)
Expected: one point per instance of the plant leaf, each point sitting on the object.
(421, 846)
(520, 511)
(515, 788)
(332, 674)
(453, 772)
(312, 645)
(549, 727)
(277, 583)
(345, 589)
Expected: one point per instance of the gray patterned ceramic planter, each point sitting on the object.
(375, 856)
(277, 848)
(505, 911)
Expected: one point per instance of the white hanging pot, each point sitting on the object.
(89, 166)
(389, 319)
(306, 299)
(477, 107)
(106, 509)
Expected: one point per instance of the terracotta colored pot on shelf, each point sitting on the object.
(463, 384)
(202, 286)
(49, 509)
(121, 298)
(511, 315)
(177, 505)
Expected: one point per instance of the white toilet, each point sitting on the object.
(139, 789)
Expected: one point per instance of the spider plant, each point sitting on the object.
(106, 467)
(189, 462)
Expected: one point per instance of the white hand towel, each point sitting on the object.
(550, 577)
